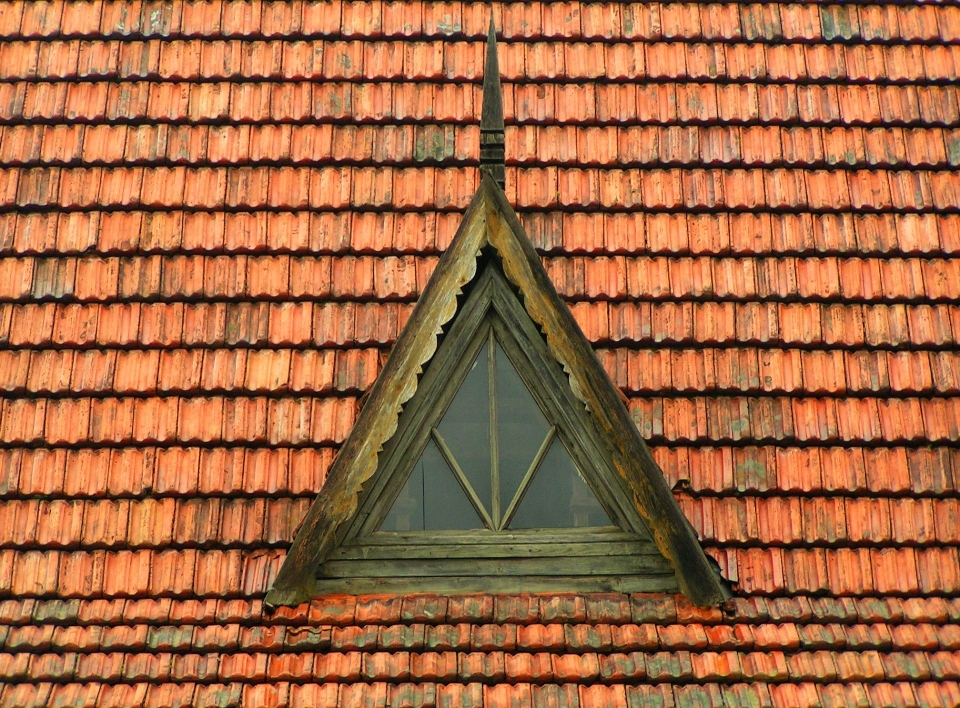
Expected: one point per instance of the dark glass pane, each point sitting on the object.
(431, 499)
(466, 428)
(406, 514)
(445, 504)
(558, 497)
(521, 427)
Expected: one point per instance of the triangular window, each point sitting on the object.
(493, 454)
(494, 478)
(494, 462)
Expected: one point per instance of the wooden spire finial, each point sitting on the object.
(491, 115)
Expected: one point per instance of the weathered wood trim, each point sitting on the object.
(595, 534)
(437, 388)
(377, 420)
(567, 567)
(499, 550)
(590, 383)
(496, 585)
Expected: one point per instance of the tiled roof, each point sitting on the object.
(216, 216)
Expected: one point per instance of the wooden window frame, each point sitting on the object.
(575, 559)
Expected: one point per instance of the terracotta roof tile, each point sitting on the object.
(788, 320)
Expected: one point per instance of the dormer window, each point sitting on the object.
(493, 453)
(495, 478)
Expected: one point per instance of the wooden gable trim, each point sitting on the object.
(490, 221)
(377, 420)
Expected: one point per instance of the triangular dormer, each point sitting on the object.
(493, 453)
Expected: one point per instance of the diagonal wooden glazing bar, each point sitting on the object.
(461, 478)
(525, 482)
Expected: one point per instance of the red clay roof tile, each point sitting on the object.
(846, 284)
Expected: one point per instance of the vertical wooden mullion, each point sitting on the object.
(494, 441)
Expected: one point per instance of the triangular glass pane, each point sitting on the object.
(558, 497)
(431, 499)
(521, 427)
(466, 428)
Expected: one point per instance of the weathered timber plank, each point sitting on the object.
(450, 364)
(509, 585)
(599, 534)
(500, 550)
(474, 567)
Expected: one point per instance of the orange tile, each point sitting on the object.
(291, 102)
(155, 419)
(561, 20)
(80, 187)
(819, 103)
(786, 62)
(80, 576)
(585, 61)
(127, 573)
(929, 324)
(21, 144)
(864, 62)
(719, 21)
(11, 19)
(180, 60)
(34, 187)
(50, 371)
(146, 143)
(41, 19)
(402, 19)
(220, 59)
(42, 472)
(738, 61)
(760, 146)
(825, 61)
(151, 522)
(118, 231)
(67, 421)
(22, 420)
(249, 102)
(62, 144)
(120, 187)
(706, 61)
(163, 187)
(21, 521)
(112, 420)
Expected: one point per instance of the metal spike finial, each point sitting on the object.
(491, 115)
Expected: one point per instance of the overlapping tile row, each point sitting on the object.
(119, 233)
(590, 650)
(880, 23)
(667, 102)
(274, 145)
(399, 60)
(215, 217)
(414, 188)
(402, 278)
